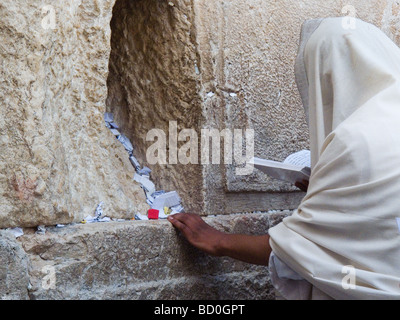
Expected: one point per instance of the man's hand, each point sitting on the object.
(302, 185)
(247, 248)
(197, 232)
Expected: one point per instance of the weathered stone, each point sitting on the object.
(58, 159)
(153, 81)
(14, 278)
(142, 260)
(204, 64)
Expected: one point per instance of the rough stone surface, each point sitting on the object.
(58, 160)
(152, 81)
(143, 260)
(204, 64)
(14, 278)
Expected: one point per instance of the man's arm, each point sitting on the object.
(251, 249)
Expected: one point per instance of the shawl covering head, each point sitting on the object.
(349, 80)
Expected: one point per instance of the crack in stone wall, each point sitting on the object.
(152, 81)
(58, 160)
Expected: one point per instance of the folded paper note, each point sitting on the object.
(169, 199)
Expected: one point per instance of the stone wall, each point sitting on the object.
(152, 81)
(58, 160)
(204, 64)
(129, 260)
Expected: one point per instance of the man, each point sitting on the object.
(349, 80)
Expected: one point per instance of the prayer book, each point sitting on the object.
(294, 168)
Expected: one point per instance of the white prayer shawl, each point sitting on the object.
(346, 228)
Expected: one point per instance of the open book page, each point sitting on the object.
(301, 159)
(295, 168)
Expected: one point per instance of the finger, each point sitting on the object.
(189, 219)
(182, 217)
(301, 186)
(180, 225)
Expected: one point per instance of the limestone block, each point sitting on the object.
(58, 160)
(143, 260)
